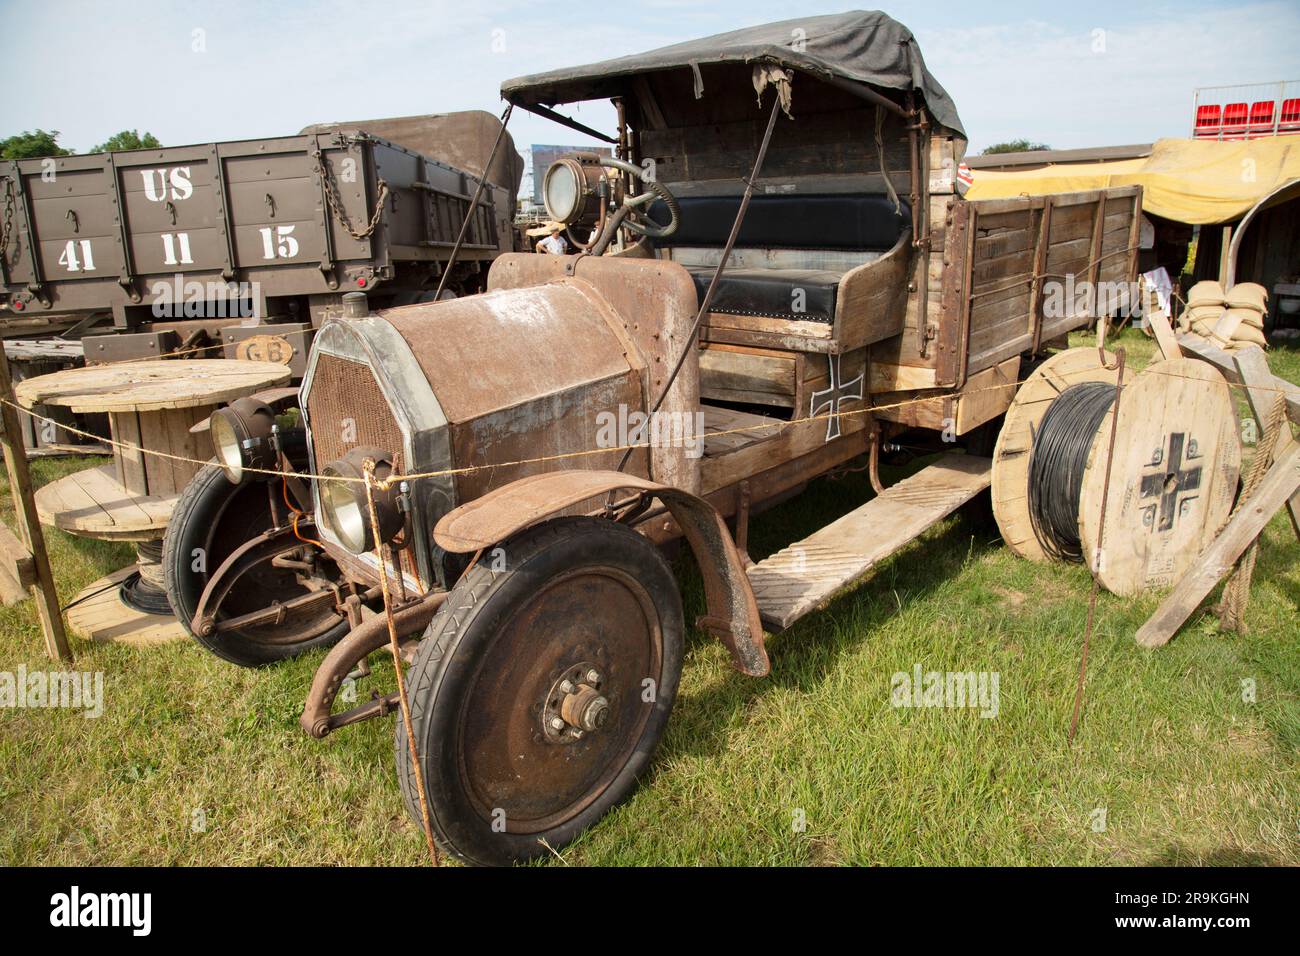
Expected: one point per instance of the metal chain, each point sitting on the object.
(6, 222)
(335, 202)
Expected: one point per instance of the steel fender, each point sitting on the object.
(505, 511)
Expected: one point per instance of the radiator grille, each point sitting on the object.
(342, 389)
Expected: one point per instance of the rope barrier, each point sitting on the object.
(1035, 276)
(368, 472)
(777, 424)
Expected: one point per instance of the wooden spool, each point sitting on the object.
(99, 614)
(1173, 479)
(153, 407)
(1015, 440)
(154, 404)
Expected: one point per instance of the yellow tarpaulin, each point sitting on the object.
(1192, 181)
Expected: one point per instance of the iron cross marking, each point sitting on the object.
(834, 395)
(1169, 481)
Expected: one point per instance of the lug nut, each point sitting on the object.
(593, 676)
(557, 723)
(566, 686)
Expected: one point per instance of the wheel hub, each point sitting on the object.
(574, 706)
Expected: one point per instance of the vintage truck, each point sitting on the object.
(261, 237)
(778, 276)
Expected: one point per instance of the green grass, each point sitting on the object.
(1186, 770)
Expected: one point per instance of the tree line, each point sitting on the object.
(40, 142)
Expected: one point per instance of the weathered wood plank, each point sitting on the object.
(809, 573)
(758, 370)
(17, 568)
(94, 504)
(1195, 345)
(43, 591)
(1164, 333)
(1257, 379)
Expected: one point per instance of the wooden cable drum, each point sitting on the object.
(1015, 440)
(1173, 480)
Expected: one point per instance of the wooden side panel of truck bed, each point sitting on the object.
(1007, 275)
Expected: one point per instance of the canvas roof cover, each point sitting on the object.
(463, 140)
(863, 46)
(1187, 180)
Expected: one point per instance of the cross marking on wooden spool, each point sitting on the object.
(1171, 482)
(837, 393)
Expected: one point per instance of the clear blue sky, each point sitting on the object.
(1014, 69)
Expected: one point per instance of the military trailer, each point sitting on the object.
(255, 231)
(777, 276)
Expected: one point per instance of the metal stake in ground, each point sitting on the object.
(1096, 557)
(369, 470)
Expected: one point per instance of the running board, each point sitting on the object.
(809, 573)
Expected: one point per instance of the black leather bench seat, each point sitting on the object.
(771, 292)
(852, 223)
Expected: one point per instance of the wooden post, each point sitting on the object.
(1225, 258)
(1260, 394)
(1164, 334)
(42, 589)
(1195, 346)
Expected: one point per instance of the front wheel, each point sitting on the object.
(211, 519)
(540, 690)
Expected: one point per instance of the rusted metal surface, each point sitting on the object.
(732, 614)
(249, 592)
(508, 347)
(546, 757)
(636, 289)
(362, 641)
(354, 414)
(363, 388)
(502, 410)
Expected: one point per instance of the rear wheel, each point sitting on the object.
(211, 519)
(540, 691)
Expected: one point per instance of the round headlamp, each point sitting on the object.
(571, 187)
(343, 504)
(242, 437)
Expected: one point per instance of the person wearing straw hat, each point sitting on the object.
(553, 243)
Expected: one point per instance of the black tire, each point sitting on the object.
(217, 516)
(457, 655)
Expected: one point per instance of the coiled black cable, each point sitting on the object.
(1056, 464)
(140, 595)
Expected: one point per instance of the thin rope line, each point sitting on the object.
(778, 424)
(1035, 276)
(368, 472)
